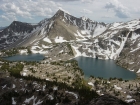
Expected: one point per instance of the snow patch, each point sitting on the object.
(61, 51)
(50, 25)
(24, 74)
(60, 39)
(47, 79)
(130, 100)
(44, 87)
(84, 31)
(13, 101)
(138, 71)
(37, 49)
(23, 51)
(78, 34)
(42, 32)
(118, 88)
(50, 97)
(38, 102)
(27, 101)
(134, 36)
(116, 24)
(14, 86)
(131, 70)
(128, 96)
(117, 53)
(135, 49)
(84, 18)
(55, 88)
(43, 46)
(90, 83)
(47, 40)
(131, 63)
(96, 41)
(98, 91)
(78, 53)
(98, 30)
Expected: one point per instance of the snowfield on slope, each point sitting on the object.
(59, 39)
(47, 40)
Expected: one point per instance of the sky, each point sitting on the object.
(33, 11)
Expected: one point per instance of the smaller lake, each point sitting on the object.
(103, 68)
(30, 57)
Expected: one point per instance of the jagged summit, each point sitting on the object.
(58, 14)
(61, 14)
(62, 11)
(59, 11)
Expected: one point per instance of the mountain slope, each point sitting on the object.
(61, 26)
(1, 28)
(14, 32)
(118, 41)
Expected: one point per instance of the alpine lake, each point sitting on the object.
(91, 67)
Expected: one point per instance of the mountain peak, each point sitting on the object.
(59, 12)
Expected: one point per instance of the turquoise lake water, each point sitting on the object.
(103, 68)
(30, 57)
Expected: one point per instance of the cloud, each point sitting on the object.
(13, 8)
(106, 16)
(87, 1)
(65, 0)
(136, 10)
(119, 9)
(86, 11)
(27, 9)
(63, 10)
(4, 17)
(8, 17)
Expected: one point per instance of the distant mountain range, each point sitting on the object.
(118, 41)
(1, 28)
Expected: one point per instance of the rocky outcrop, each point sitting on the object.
(107, 100)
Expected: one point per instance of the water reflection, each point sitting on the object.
(103, 68)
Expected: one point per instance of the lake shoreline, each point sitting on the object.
(109, 66)
(97, 60)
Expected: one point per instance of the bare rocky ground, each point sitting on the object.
(126, 90)
(61, 71)
(61, 51)
(18, 91)
(33, 91)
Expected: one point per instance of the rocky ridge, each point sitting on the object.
(118, 41)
